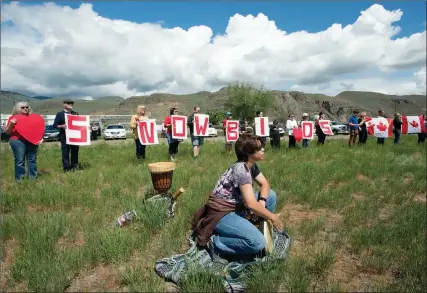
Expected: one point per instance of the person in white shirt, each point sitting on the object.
(291, 123)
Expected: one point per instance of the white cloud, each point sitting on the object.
(54, 50)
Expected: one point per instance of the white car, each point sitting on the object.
(212, 131)
(115, 131)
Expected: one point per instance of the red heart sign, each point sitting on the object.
(30, 127)
(297, 134)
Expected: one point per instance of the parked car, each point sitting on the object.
(339, 128)
(50, 133)
(115, 131)
(212, 131)
(4, 135)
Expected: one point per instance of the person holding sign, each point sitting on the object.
(228, 144)
(291, 123)
(222, 225)
(304, 140)
(196, 141)
(66, 149)
(263, 138)
(320, 135)
(134, 121)
(22, 148)
(173, 143)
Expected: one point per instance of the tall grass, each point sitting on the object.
(365, 203)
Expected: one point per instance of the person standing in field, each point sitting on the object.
(263, 138)
(304, 141)
(320, 135)
(363, 131)
(196, 141)
(22, 149)
(422, 135)
(228, 145)
(291, 123)
(134, 123)
(381, 114)
(275, 135)
(397, 127)
(173, 143)
(353, 122)
(66, 149)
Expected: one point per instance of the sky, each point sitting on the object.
(93, 49)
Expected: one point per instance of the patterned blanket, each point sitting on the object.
(233, 274)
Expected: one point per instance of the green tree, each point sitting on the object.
(216, 116)
(244, 100)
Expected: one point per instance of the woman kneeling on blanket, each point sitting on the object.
(222, 224)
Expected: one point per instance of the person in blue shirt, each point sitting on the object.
(353, 123)
(59, 123)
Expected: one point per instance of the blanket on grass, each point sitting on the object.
(233, 274)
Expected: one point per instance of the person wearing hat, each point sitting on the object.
(66, 149)
(304, 141)
(397, 127)
(228, 145)
(354, 124)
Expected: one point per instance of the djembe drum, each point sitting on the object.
(161, 175)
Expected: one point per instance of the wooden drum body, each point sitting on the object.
(161, 175)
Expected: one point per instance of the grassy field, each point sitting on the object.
(357, 218)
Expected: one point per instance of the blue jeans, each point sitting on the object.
(305, 143)
(24, 150)
(236, 235)
(397, 133)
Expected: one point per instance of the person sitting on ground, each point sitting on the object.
(221, 225)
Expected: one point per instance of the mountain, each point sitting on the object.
(42, 98)
(284, 103)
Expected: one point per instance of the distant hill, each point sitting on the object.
(42, 98)
(336, 108)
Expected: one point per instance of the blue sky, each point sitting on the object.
(290, 16)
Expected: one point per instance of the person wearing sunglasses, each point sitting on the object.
(173, 143)
(68, 163)
(21, 148)
(222, 225)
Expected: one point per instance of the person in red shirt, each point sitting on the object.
(228, 145)
(173, 143)
(22, 149)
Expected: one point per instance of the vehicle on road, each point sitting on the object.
(115, 131)
(339, 127)
(212, 131)
(50, 133)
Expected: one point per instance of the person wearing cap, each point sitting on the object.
(66, 149)
(291, 123)
(228, 145)
(397, 128)
(354, 124)
(304, 141)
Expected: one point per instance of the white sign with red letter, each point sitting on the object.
(77, 129)
(413, 124)
(261, 126)
(147, 132)
(232, 130)
(307, 129)
(325, 125)
(201, 124)
(179, 127)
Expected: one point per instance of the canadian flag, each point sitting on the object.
(413, 124)
(379, 127)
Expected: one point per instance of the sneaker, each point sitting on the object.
(172, 159)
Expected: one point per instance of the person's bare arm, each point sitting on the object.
(263, 185)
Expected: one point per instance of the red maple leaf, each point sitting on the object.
(382, 127)
(414, 124)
